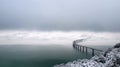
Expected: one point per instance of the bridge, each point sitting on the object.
(83, 48)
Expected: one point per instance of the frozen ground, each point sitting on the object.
(109, 58)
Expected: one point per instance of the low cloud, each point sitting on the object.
(56, 37)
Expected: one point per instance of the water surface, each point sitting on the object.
(37, 55)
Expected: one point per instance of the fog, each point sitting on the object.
(57, 37)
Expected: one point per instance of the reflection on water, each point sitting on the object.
(36, 56)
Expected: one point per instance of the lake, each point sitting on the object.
(37, 55)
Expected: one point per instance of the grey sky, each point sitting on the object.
(92, 15)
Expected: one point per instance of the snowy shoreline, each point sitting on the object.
(109, 58)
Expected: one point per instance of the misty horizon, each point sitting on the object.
(52, 22)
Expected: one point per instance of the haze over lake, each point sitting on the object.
(57, 37)
(40, 33)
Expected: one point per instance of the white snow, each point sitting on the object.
(109, 58)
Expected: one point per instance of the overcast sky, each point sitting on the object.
(63, 15)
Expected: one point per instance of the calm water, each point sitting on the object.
(37, 56)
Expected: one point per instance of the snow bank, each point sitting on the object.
(109, 58)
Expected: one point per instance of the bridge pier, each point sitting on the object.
(93, 52)
(86, 51)
(80, 48)
(83, 49)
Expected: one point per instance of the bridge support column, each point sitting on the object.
(80, 48)
(92, 52)
(83, 49)
(86, 50)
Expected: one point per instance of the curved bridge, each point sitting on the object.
(83, 48)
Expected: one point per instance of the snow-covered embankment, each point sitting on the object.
(109, 58)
